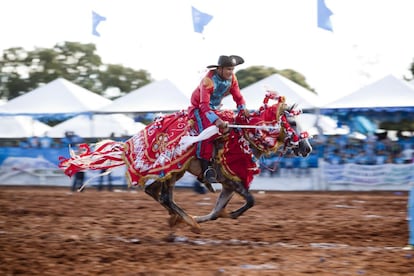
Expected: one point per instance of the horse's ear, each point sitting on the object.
(293, 106)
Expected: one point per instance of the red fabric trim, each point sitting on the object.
(237, 159)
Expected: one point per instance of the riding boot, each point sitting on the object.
(209, 175)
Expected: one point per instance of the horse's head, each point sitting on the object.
(302, 147)
(274, 126)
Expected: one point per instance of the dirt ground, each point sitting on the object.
(50, 231)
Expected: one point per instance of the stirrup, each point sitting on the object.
(210, 175)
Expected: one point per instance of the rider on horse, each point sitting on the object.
(159, 155)
(219, 82)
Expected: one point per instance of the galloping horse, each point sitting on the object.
(158, 156)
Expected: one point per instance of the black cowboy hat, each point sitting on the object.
(228, 61)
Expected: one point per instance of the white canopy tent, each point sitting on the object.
(158, 96)
(320, 124)
(384, 94)
(21, 127)
(294, 93)
(59, 97)
(98, 125)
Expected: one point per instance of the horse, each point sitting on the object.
(158, 156)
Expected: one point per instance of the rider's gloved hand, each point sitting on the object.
(222, 125)
(246, 113)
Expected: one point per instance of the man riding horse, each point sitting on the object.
(206, 99)
(158, 156)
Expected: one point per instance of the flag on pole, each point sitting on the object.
(324, 22)
(96, 19)
(200, 20)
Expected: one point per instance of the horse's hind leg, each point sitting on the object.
(241, 190)
(167, 199)
(155, 190)
(223, 199)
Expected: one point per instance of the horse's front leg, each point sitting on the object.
(223, 199)
(241, 190)
(154, 190)
(167, 198)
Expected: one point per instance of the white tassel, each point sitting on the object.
(92, 178)
(187, 141)
(71, 152)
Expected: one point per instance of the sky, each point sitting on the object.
(370, 38)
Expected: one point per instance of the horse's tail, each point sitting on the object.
(106, 154)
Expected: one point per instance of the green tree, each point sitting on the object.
(253, 74)
(412, 70)
(122, 78)
(22, 71)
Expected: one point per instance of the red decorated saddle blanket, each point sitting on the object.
(155, 153)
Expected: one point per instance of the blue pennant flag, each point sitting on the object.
(200, 20)
(96, 19)
(324, 22)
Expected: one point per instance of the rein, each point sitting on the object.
(255, 127)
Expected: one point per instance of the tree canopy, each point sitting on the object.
(22, 71)
(412, 69)
(254, 74)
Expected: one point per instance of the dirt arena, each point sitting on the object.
(50, 231)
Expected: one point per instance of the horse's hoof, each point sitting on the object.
(170, 238)
(196, 230)
(174, 220)
(233, 215)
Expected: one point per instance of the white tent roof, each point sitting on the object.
(314, 123)
(158, 96)
(98, 125)
(386, 92)
(57, 97)
(21, 127)
(294, 93)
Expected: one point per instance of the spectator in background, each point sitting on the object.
(398, 158)
(78, 180)
(104, 172)
(79, 177)
(269, 165)
(381, 157)
(410, 218)
(334, 157)
(289, 166)
(407, 156)
(71, 138)
(34, 142)
(45, 141)
(304, 169)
